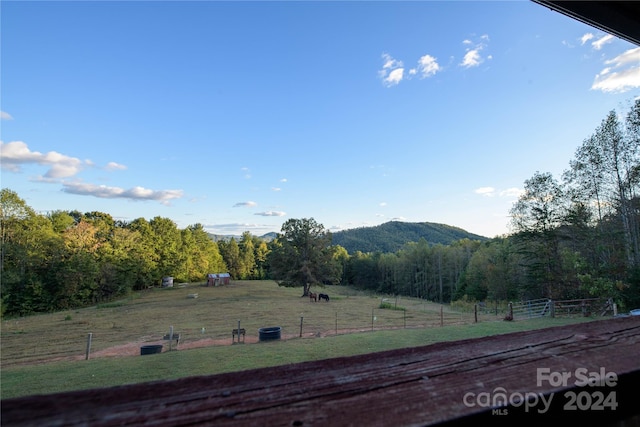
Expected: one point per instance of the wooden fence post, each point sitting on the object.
(301, 319)
(89, 337)
(475, 313)
(441, 316)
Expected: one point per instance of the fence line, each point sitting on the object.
(337, 323)
(329, 322)
(554, 308)
(532, 308)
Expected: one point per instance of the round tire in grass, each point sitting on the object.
(150, 349)
(270, 333)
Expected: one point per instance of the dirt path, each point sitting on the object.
(133, 348)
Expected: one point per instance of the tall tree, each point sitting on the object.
(145, 256)
(231, 253)
(205, 255)
(536, 217)
(620, 156)
(29, 247)
(302, 255)
(261, 255)
(168, 244)
(247, 256)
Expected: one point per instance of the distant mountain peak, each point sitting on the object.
(393, 235)
(227, 237)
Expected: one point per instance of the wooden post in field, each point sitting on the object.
(441, 316)
(475, 313)
(89, 337)
(552, 309)
(170, 337)
(301, 319)
(615, 309)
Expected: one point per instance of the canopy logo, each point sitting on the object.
(499, 398)
(595, 392)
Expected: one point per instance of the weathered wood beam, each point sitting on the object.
(440, 384)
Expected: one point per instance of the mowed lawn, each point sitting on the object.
(46, 353)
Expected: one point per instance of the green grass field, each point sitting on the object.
(45, 353)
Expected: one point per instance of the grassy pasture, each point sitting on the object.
(146, 316)
(45, 353)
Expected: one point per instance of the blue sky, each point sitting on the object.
(242, 115)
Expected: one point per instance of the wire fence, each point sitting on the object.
(319, 319)
(335, 322)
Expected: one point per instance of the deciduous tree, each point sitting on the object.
(302, 255)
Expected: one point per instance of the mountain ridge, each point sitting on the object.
(391, 236)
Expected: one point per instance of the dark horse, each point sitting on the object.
(323, 297)
(313, 297)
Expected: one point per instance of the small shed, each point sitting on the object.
(216, 279)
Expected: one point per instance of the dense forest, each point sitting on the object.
(393, 235)
(573, 236)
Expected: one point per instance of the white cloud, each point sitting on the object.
(248, 204)
(597, 44)
(486, 191)
(621, 74)
(394, 77)
(16, 153)
(392, 71)
(276, 189)
(383, 204)
(271, 213)
(428, 66)
(135, 193)
(112, 166)
(283, 180)
(473, 56)
(471, 59)
(585, 38)
(390, 63)
(491, 192)
(5, 116)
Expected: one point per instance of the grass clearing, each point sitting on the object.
(45, 353)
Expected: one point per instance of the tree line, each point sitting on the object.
(68, 259)
(575, 237)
